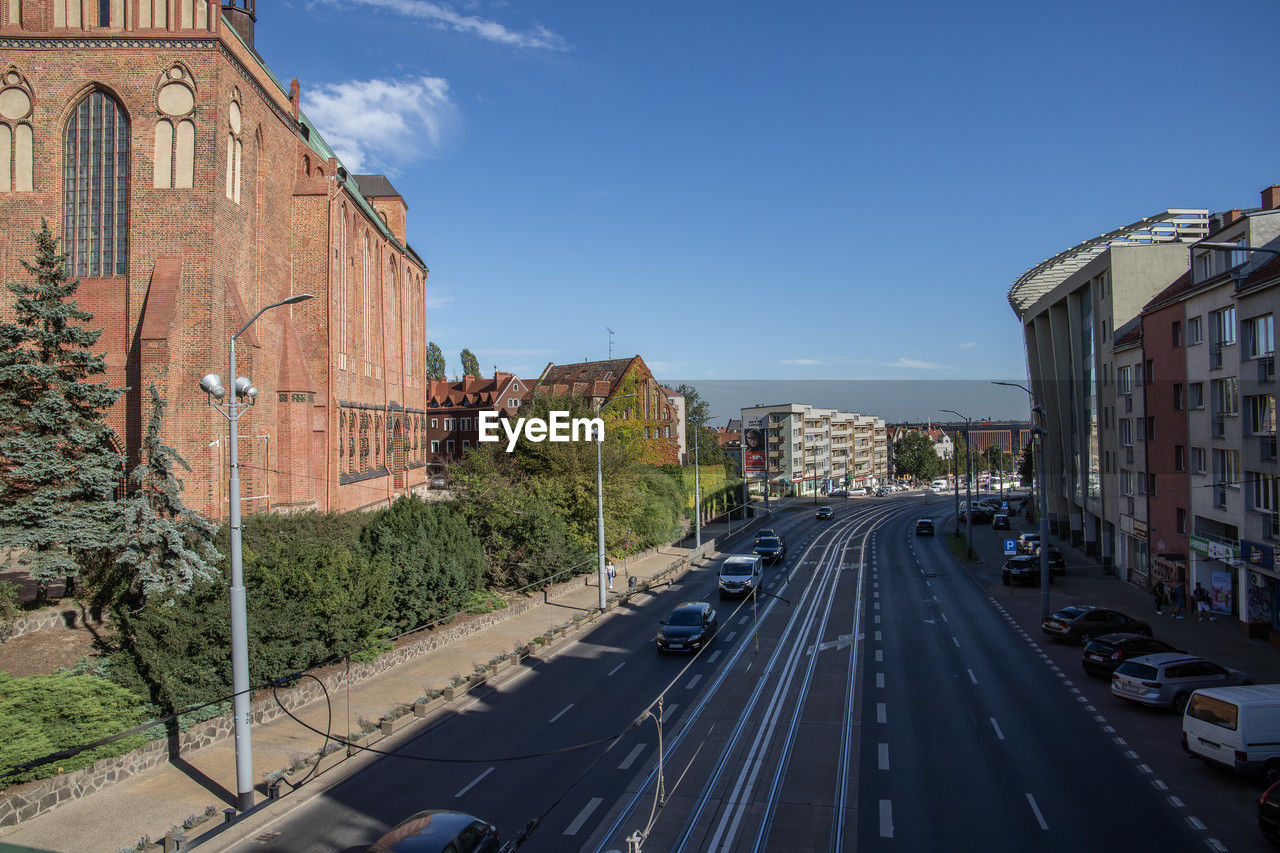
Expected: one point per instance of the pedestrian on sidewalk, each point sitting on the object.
(1201, 595)
(1179, 600)
(611, 573)
(1161, 596)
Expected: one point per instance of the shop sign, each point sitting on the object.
(1211, 548)
(1220, 592)
(1140, 529)
(1258, 556)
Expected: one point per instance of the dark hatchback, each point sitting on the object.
(824, 512)
(771, 549)
(688, 628)
(1269, 814)
(1080, 623)
(1103, 654)
(1023, 570)
(924, 527)
(438, 831)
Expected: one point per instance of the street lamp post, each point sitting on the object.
(601, 579)
(241, 388)
(697, 494)
(968, 482)
(1041, 433)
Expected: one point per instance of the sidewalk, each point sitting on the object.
(1220, 640)
(152, 802)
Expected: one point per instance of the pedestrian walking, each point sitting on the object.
(1201, 596)
(1179, 600)
(1161, 596)
(611, 573)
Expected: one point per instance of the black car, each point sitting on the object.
(1056, 560)
(881, 492)
(437, 831)
(1269, 814)
(765, 532)
(1080, 623)
(924, 527)
(981, 515)
(1021, 571)
(771, 549)
(1103, 654)
(688, 628)
(824, 512)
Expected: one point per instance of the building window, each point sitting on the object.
(1260, 414)
(1226, 398)
(1263, 491)
(235, 148)
(1151, 428)
(1195, 331)
(448, 446)
(1197, 460)
(1124, 380)
(1179, 458)
(96, 187)
(1195, 395)
(435, 446)
(15, 134)
(1126, 482)
(1182, 520)
(1260, 337)
(1178, 401)
(1177, 333)
(1151, 484)
(1126, 431)
(1224, 326)
(435, 423)
(448, 424)
(1226, 466)
(465, 444)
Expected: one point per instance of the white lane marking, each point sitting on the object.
(877, 605)
(875, 594)
(956, 641)
(731, 635)
(880, 713)
(884, 756)
(879, 679)
(879, 636)
(996, 726)
(561, 714)
(618, 667)
(886, 819)
(1144, 768)
(693, 682)
(669, 711)
(1216, 845)
(714, 655)
(1131, 755)
(879, 656)
(1036, 809)
(1160, 786)
(592, 805)
(1196, 822)
(631, 757)
(743, 620)
(944, 617)
(473, 783)
(877, 618)
(1176, 803)
(972, 677)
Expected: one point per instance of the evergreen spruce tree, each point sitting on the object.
(58, 465)
(164, 547)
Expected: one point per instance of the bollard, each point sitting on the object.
(273, 790)
(228, 815)
(633, 582)
(385, 725)
(173, 843)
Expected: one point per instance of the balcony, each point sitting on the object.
(1267, 368)
(1128, 502)
(1128, 454)
(1267, 445)
(1215, 357)
(1128, 402)
(1272, 528)
(1219, 427)
(1220, 495)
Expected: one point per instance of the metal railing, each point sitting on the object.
(1267, 443)
(1267, 368)
(1219, 427)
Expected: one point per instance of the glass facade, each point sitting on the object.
(96, 192)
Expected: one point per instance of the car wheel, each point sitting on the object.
(1180, 702)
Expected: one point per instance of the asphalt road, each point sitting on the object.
(877, 699)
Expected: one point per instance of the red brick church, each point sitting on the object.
(190, 190)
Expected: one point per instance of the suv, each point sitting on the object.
(740, 576)
(1021, 570)
(823, 512)
(1168, 679)
(1000, 521)
(1080, 623)
(924, 527)
(688, 628)
(771, 549)
(439, 830)
(769, 532)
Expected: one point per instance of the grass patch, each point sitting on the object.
(959, 547)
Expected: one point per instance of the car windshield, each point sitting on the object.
(736, 569)
(1069, 614)
(767, 542)
(1133, 669)
(684, 618)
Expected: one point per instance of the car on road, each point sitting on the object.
(688, 628)
(999, 521)
(1028, 542)
(1167, 679)
(769, 532)
(1103, 654)
(1080, 623)
(771, 549)
(1022, 570)
(881, 492)
(824, 512)
(439, 831)
(924, 527)
(740, 576)
(1056, 560)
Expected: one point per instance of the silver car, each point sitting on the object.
(1167, 680)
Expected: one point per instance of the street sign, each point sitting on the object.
(1010, 547)
(1004, 505)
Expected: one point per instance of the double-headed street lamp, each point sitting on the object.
(601, 579)
(242, 389)
(1041, 433)
(968, 481)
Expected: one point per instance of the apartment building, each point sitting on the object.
(1125, 430)
(808, 450)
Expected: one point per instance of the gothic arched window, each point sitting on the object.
(96, 187)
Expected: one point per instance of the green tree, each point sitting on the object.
(58, 463)
(435, 361)
(914, 456)
(163, 546)
(697, 411)
(470, 364)
(1027, 466)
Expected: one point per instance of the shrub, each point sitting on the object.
(9, 609)
(41, 714)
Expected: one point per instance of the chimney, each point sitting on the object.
(1231, 216)
(1271, 197)
(241, 15)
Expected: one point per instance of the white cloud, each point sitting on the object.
(800, 361)
(968, 345)
(438, 298)
(903, 361)
(375, 125)
(445, 17)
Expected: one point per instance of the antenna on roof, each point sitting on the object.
(610, 331)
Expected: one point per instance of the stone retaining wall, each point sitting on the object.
(55, 617)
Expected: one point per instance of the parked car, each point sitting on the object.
(1056, 560)
(1103, 654)
(824, 512)
(1080, 623)
(1028, 542)
(838, 493)
(1235, 727)
(881, 492)
(980, 515)
(1022, 570)
(999, 521)
(740, 576)
(771, 549)
(688, 628)
(1269, 813)
(1167, 679)
(437, 831)
(924, 527)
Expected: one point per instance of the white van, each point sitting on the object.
(1236, 727)
(740, 576)
(939, 485)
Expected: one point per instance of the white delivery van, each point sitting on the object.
(740, 576)
(1236, 727)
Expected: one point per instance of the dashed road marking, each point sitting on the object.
(1035, 808)
(880, 713)
(631, 757)
(592, 805)
(996, 726)
(563, 711)
(474, 782)
(883, 758)
(618, 667)
(886, 819)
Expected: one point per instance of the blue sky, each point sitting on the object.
(775, 190)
